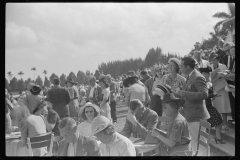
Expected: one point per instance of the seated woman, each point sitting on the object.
(30, 126)
(88, 111)
(178, 136)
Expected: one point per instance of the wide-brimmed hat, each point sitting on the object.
(100, 123)
(36, 89)
(170, 97)
(89, 104)
(70, 80)
(175, 60)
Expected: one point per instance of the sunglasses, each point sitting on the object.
(86, 112)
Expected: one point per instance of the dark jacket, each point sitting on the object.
(59, 97)
(97, 95)
(225, 61)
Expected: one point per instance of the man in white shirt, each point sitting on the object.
(113, 143)
(201, 62)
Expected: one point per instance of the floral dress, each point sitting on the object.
(176, 83)
(179, 133)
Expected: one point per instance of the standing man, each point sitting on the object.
(113, 95)
(200, 62)
(59, 97)
(73, 92)
(145, 76)
(194, 93)
(94, 92)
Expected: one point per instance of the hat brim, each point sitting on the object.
(93, 133)
(89, 105)
(178, 101)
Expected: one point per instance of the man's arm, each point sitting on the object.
(127, 129)
(152, 123)
(201, 86)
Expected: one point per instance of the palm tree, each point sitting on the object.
(224, 16)
(45, 72)
(34, 69)
(20, 73)
(9, 75)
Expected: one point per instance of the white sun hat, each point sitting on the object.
(100, 123)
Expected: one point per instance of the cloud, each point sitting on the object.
(19, 35)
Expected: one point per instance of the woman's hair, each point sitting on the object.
(129, 81)
(105, 81)
(40, 105)
(94, 110)
(177, 66)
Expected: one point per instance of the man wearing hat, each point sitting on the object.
(75, 144)
(59, 98)
(73, 93)
(113, 143)
(94, 92)
(33, 99)
(194, 93)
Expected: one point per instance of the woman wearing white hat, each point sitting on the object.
(88, 112)
(113, 143)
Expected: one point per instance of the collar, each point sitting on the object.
(190, 73)
(116, 139)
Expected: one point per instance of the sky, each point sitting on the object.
(68, 37)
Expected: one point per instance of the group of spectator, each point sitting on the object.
(83, 118)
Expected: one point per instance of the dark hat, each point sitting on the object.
(169, 97)
(205, 70)
(36, 89)
(70, 80)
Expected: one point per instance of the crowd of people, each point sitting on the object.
(83, 117)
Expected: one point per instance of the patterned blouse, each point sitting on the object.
(178, 82)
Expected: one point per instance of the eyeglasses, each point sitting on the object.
(86, 112)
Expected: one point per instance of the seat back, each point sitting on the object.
(44, 140)
(204, 136)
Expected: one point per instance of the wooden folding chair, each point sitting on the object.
(44, 140)
(204, 136)
(203, 148)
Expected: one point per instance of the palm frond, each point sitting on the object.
(217, 25)
(231, 9)
(222, 15)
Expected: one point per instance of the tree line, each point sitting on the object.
(115, 68)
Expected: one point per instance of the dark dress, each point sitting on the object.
(215, 117)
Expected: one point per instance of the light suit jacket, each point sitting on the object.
(194, 93)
